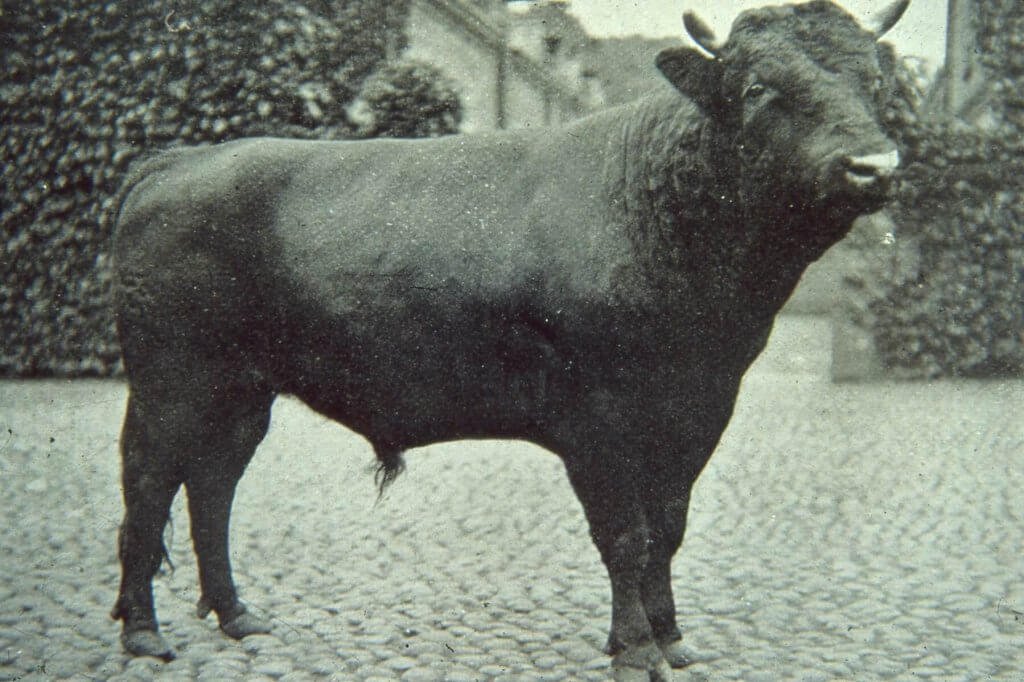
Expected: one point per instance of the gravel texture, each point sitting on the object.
(850, 532)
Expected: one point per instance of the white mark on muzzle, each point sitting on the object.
(878, 162)
(865, 171)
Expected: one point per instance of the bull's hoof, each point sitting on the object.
(628, 673)
(641, 664)
(676, 654)
(245, 624)
(147, 643)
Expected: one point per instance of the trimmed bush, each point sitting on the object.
(410, 99)
(964, 314)
(962, 202)
(89, 86)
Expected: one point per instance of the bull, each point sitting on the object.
(598, 289)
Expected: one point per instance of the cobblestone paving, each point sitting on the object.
(849, 532)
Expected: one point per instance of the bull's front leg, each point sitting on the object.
(610, 499)
(666, 499)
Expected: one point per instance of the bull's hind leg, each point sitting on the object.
(241, 424)
(150, 479)
(175, 432)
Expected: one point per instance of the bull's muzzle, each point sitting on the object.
(872, 169)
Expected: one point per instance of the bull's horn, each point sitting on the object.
(700, 33)
(887, 18)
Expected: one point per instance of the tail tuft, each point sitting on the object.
(389, 465)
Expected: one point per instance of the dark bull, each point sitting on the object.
(598, 289)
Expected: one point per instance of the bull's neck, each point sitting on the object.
(699, 240)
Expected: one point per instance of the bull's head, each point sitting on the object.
(798, 90)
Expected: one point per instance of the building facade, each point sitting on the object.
(499, 72)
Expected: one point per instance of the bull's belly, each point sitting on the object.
(414, 389)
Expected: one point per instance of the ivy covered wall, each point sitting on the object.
(962, 202)
(88, 86)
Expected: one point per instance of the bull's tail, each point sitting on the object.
(389, 465)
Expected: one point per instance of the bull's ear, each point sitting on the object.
(695, 75)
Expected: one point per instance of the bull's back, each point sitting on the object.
(487, 207)
(477, 211)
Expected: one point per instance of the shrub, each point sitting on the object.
(410, 99)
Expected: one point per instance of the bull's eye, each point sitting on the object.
(753, 91)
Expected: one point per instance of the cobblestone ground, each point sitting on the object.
(852, 532)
